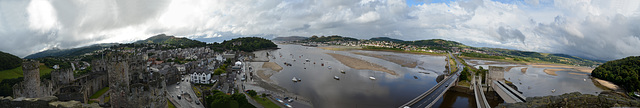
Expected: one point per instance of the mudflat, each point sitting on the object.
(356, 63)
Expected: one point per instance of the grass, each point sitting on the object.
(17, 72)
(464, 84)
(99, 93)
(170, 104)
(453, 64)
(265, 102)
(198, 93)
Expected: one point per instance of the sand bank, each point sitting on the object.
(402, 61)
(360, 64)
(573, 73)
(524, 70)
(553, 71)
(606, 84)
(272, 65)
(577, 68)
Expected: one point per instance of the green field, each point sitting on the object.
(17, 72)
(99, 93)
(170, 105)
(265, 102)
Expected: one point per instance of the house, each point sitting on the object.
(201, 77)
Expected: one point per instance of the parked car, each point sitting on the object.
(179, 97)
(279, 100)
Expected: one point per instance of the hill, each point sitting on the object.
(435, 42)
(330, 38)
(171, 40)
(247, 44)
(69, 52)
(9, 61)
(624, 72)
(385, 39)
(290, 38)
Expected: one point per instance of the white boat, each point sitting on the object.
(329, 67)
(342, 71)
(372, 78)
(336, 77)
(295, 79)
(553, 90)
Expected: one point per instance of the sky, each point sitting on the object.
(598, 29)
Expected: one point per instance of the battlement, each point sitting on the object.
(28, 64)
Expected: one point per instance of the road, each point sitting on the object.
(184, 86)
(431, 98)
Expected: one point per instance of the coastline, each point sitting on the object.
(402, 61)
(356, 63)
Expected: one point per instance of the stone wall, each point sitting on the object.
(62, 76)
(43, 102)
(132, 85)
(575, 100)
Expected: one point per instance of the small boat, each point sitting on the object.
(342, 71)
(329, 67)
(307, 60)
(415, 77)
(372, 78)
(295, 79)
(584, 79)
(553, 90)
(336, 77)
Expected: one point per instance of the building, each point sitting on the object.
(201, 77)
(495, 73)
(32, 87)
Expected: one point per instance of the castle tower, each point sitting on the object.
(31, 69)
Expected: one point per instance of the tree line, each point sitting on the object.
(623, 72)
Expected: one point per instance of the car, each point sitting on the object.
(286, 98)
(242, 79)
(279, 100)
(197, 103)
(290, 100)
(179, 97)
(288, 106)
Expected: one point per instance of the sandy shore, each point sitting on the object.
(578, 68)
(340, 48)
(553, 71)
(606, 84)
(272, 65)
(402, 61)
(360, 64)
(573, 73)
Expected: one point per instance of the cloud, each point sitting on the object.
(600, 29)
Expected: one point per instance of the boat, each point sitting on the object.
(584, 79)
(415, 77)
(336, 77)
(329, 67)
(307, 60)
(372, 78)
(295, 79)
(553, 90)
(342, 71)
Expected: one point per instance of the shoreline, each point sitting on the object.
(607, 84)
(356, 63)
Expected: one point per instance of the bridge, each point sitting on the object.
(431, 96)
(508, 94)
(481, 100)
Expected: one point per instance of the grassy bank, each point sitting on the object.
(170, 105)
(265, 102)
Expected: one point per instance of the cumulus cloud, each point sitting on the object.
(599, 29)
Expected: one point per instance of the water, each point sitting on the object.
(354, 89)
(534, 82)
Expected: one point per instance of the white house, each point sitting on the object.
(201, 78)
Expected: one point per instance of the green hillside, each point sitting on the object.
(69, 52)
(172, 40)
(387, 39)
(330, 38)
(624, 72)
(247, 44)
(9, 61)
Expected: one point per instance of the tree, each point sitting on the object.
(252, 93)
(218, 71)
